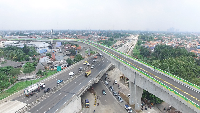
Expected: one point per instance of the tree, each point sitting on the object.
(34, 58)
(144, 52)
(29, 67)
(73, 52)
(69, 61)
(25, 49)
(151, 97)
(78, 58)
(15, 71)
(111, 39)
(48, 54)
(26, 58)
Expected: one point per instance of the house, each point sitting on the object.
(78, 48)
(44, 59)
(58, 44)
(53, 56)
(59, 56)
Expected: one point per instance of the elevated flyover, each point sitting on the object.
(181, 94)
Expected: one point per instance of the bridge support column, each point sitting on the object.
(135, 95)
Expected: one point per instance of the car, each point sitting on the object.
(84, 63)
(88, 64)
(92, 66)
(71, 73)
(103, 92)
(111, 88)
(129, 95)
(115, 81)
(46, 90)
(80, 68)
(120, 99)
(42, 85)
(59, 81)
(114, 93)
(106, 82)
(94, 60)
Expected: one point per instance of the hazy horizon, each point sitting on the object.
(143, 15)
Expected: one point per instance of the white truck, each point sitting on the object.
(33, 88)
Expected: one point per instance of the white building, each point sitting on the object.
(45, 59)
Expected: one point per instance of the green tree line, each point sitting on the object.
(18, 54)
(108, 42)
(176, 60)
(8, 76)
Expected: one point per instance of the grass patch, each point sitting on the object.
(21, 85)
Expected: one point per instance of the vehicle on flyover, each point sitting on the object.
(59, 81)
(87, 73)
(85, 62)
(47, 90)
(71, 73)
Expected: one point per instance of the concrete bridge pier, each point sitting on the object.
(135, 95)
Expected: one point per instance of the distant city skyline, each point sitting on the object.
(154, 15)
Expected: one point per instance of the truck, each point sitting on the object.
(87, 104)
(87, 73)
(128, 108)
(33, 89)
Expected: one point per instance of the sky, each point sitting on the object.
(152, 15)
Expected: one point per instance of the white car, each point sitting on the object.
(88, 64)
(120, 99)
(71, 73)
(92, 66)
(115, 81)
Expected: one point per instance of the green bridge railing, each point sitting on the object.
(152, 78)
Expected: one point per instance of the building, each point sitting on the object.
(44, 59)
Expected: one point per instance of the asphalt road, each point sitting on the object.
(50, 83)
(185, 91)
(55, 101)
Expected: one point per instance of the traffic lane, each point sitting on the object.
(80, 84)
(194, 96)
(57, 99)
(57, 96)
(108, 99)
(50, 83)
